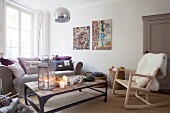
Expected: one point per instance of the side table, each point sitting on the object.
(121, 75)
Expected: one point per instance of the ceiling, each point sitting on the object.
(53, 4)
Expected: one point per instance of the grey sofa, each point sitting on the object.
(16, 85)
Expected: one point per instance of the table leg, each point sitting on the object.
(25, 94)
(42, 102)
(105, 99)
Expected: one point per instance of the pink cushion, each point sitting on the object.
(22, 61)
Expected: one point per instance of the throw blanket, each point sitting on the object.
(148, 64)
(15, 107)
(5, 102)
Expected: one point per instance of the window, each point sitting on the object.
(19, 32)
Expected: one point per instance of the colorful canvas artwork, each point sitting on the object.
(102, 35)
(81, 38)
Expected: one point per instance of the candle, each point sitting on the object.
(52, 81)
(46, 85)
(62, 84)
(65, 79)
(71, 80)
(40, 83)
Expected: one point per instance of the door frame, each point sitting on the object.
(147, 21)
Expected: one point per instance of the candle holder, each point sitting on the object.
(46, 76)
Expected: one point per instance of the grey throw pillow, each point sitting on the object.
(31, 67)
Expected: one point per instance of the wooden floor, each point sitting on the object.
(115, 104)
(162, 92)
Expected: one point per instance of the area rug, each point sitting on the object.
(115, 104)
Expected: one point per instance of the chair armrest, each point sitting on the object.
(141, 75)
(128, 71)
(7, 78)
(77, 67)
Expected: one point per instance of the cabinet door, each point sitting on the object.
(157, 40)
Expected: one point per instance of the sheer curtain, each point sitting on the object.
(42, 33)
(2, 34)
(2, 29)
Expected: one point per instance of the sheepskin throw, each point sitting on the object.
(148, 64)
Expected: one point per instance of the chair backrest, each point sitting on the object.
(148, 64)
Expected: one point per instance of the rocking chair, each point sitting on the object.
(150, 68)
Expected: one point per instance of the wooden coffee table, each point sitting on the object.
(44, 95)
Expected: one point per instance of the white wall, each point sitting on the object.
(127, 33)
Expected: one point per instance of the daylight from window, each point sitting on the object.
(18, 32)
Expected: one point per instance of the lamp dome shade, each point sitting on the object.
(62, 15)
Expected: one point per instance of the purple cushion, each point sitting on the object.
(7, 62)
(22, 61)
(63, 57)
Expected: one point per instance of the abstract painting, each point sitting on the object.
(102, 35)
(81, 38)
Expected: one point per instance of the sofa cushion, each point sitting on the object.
(56, 57)
(22, 61)
(31, 67)
(6, 62)
(63, 57)
(61, 65)
(16, 69)
(19, 82)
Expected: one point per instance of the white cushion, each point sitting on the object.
(17, 70)
(142, 81)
